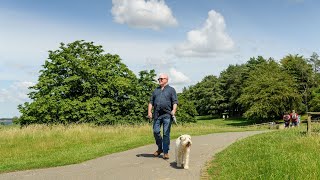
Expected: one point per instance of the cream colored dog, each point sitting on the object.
(183, 144)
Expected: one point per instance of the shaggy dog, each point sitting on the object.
(183, 144)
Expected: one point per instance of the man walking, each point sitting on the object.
(164, 102)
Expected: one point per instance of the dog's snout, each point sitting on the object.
(188, 144)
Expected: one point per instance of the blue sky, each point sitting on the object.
(188, 39)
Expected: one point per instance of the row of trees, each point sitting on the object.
(79, 83)
(261, 89)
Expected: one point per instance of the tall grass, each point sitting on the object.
(41, 146)
(285, 154)
(45, 146)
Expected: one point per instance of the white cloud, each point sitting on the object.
(167, 66)
(13, 95)
(16, 92)
(209, 40)
(154, 14)
(26, 39)
(177, 77)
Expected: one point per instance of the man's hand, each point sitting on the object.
(149, 115)
(174, 120)
(174, 109)
(150, 111)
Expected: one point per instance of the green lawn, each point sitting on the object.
(283, 154)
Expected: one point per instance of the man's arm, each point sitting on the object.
(174, 109)
(150, 111)
(150, 105)
(174, 99)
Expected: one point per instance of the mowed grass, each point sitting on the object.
(41, 146)
(283, 154)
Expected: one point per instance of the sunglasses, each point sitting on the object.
(160, 79)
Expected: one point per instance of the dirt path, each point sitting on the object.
(138, 163)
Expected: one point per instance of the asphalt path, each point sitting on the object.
(138, 163)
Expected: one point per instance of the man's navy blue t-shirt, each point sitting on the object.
(163, 101)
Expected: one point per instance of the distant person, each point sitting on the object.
(286, 118)
(224, 117)
(294, 118)
(299, 120)
(164, 102)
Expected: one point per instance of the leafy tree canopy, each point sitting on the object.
(268, 92)
(206, 96)
(232, 80)
(303, 76)
(79, 83)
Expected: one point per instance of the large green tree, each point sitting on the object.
(315, 62)
(254, 61)
(268, 92)
(298, 67)
(206, 96)
(186, 110)
(146, 85)
(315, 100)
(231, 81)
(79, 83)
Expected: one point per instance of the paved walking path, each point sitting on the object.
(138, 163)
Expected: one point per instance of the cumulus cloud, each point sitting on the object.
(167, 66)
(153, 14)
(16, 92)
(209, 40)
(177, 77)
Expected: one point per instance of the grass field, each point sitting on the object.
(285, 154)
(42, 146)
(282, 154)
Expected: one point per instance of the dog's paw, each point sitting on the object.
(186, 167)
(179, 165)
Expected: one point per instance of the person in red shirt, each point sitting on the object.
(294, 118)
(286, 118)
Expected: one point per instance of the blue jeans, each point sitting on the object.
(162, 143)
(295, 123)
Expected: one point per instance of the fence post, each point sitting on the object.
(309, 124)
